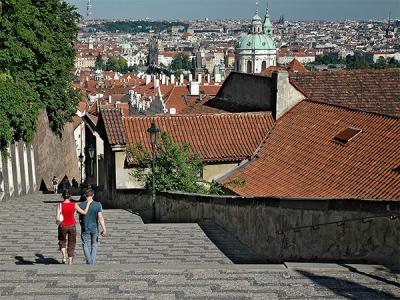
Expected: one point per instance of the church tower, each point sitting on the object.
(256, 51)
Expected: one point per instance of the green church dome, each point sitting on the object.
(256, 42)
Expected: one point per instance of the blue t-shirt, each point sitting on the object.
(90, 221)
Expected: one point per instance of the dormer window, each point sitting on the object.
(346, 135)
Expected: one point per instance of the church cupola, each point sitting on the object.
(256, 27)
(267, 26)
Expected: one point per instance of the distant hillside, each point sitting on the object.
(136, 26)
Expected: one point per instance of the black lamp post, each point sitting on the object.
(81, 162)
(153, 130)
(91, 155)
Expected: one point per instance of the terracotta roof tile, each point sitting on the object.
(300, 158)
(375, 91)
(114, 126)
(217, 137)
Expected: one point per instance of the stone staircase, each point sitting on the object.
(160, 261)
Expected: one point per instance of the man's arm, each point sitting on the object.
(102, 223)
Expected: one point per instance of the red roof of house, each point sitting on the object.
(216, 137)
(76, 121)
(179, 96)
(114, 126)
(375, 91)
(294, 66)
(301, 159)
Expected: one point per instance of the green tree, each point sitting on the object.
(100, 64)
(36, 50)
(19, 107)
(393, 63)
(177, 168)
(122, 65)
(117, 64)
(380, 63)
(356, 61)
(181, 62)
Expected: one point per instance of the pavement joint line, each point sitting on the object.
(140, 267)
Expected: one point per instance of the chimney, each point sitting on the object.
(156, 83)
(148, 79)
(109, 99)
(284, 95)
(190, 77)
(172, 79)
(217, 78)
(181, 79)
(208, 78)
(199, 78)
(167, 81)
(194, 88)
(163, 79)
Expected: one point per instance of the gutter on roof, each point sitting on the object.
(230, 172)
(118, 148)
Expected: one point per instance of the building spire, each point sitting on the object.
(257, 7)
(267, 9)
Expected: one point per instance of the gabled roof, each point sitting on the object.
(375, 91)
(179, 97)
(215, 137)
(114, 126)
(300, 158)
(294, 66)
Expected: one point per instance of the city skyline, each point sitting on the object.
(241, 9)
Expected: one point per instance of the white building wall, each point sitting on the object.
(32, 153)
(26, 169)
(2, 192)
(18, 170)
(10, 174)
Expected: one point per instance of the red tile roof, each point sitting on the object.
(217, 137)
(200, 107)
(375, 91)
(114, 126)
(179, 96)
(300, 158)
(294, 66)
(76, 121)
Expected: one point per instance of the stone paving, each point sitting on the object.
(162, 261)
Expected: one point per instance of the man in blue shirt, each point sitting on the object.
(90, 227)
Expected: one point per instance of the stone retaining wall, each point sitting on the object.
(296, 229)
(26, 168)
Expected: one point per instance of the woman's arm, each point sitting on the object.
(58, 212)
(80, 210)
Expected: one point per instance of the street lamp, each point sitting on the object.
(153, 130)
(91, 155)
(80, 157)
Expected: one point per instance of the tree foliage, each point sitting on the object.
(36, 51)
(180, 62)
(117, 64)
(100, 64)
(177, 168)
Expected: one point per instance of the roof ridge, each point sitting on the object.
(352, 109)
(165, 116)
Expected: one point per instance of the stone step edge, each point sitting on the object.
(287, 266)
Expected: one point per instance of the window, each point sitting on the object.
(263, 65)
(346, 135)
(249, 67)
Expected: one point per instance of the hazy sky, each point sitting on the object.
(219, 9)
